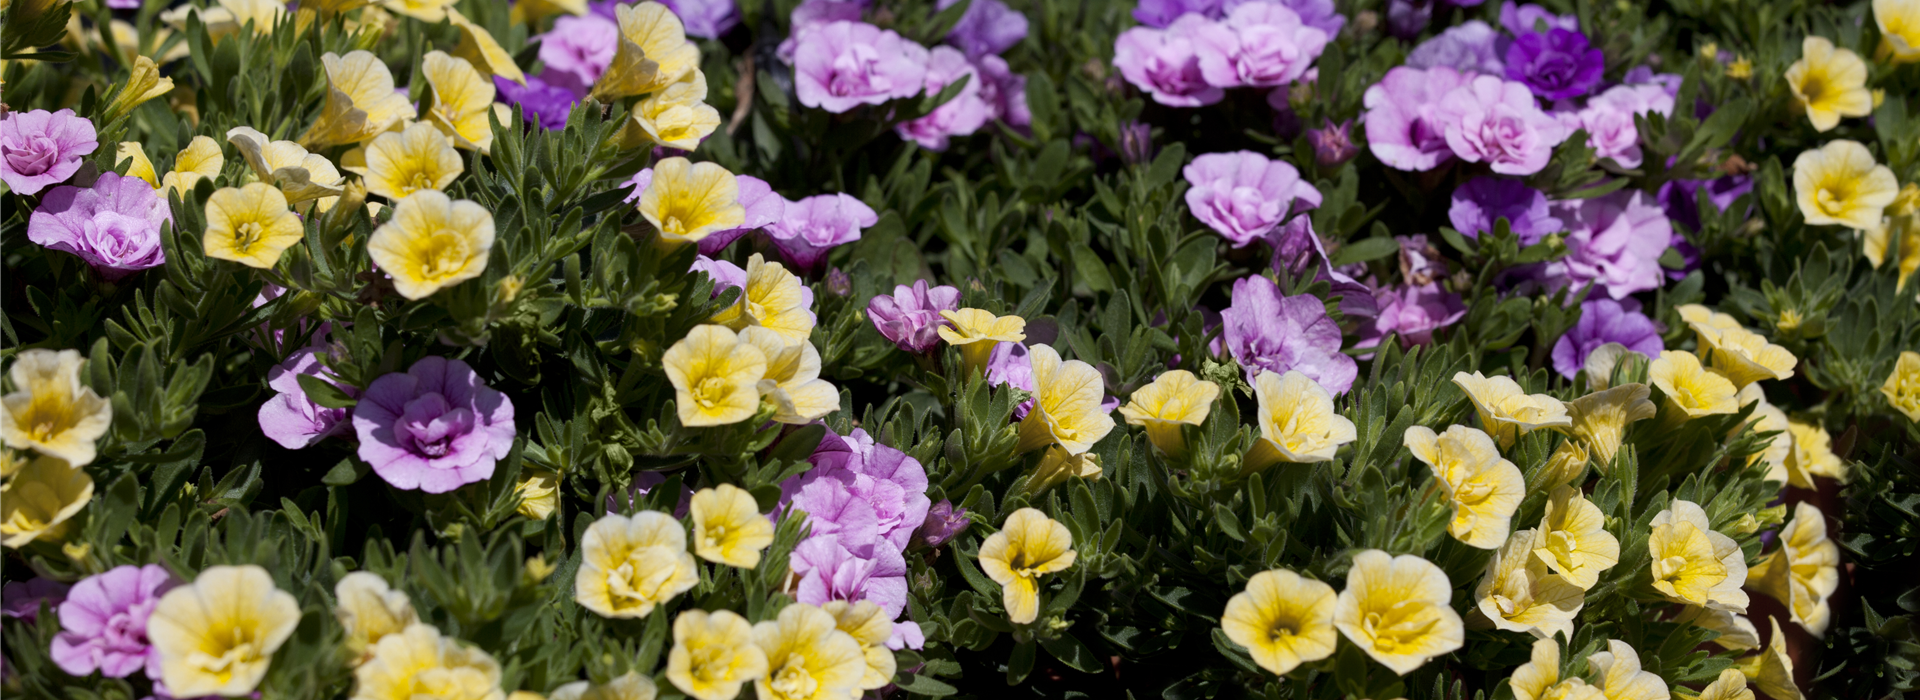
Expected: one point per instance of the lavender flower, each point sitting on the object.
(435, 427)
(1470, 47)
(988, 27)
(1297, 249)
(841, 65)
(1004, 91)
(1319, 14)
(1243, 195)
(1556, 65)
(577, 50)
(863, 490)
(1533, 19)
(1414, 311)
(291, 418)
(1613, 242)
(1266, 331)
(1260, 44)
(1484, 200)
(1497, 122)
(707, 19)
(814, 14)
(810, 227)
(911, 317)
(1403, 126)
(41, 148)
(831, 568)
(1605, 321)
(1165, 63)
(104, 623)
(960, 116)
(1333, 144)
(545, 104)
(113, 225)
(21, 600)
(1407, 18)
(944, 521)
(723, 273)
(1159, 14)
(1608, 119)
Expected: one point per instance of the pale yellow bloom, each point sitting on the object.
(230, 16)
(676, 117)
(1903, 386)
(1600, 419)
(1508, 412)
(539, 492)
(51, 410)
(1174, 399)
(432, 242)
(1691, 390)
(1899, 22)
(1282, 619)
(1396, 610)
(1901, 223)
(1840, 183)
(1484, 488)
(792, 380)
(418, 662)
(1771, 670)
(201, 158)
(1768, 418)
(1066, 404)
(138, 165)
(1566, 465)
(11, 463)
(1574, 541)
(713, 654)
(1693, 564)
(1740, 69)
(808, 658)
(361, 101)
(688, 201)
(629, 565)
(1736, 631)
(368, 610)
(1298, 423)
(1029, 545)
(1619, 676)
(1057, 465)
(775, 299)
(628, 686)
(1830, 82)
(728, 527)
(404, 162)
(217, 635)
(1706, 323)
(1602, 362)
(716, 378)
(1804, 571)
(37, 502)
(653, 53)
(144, 84)
(250, 225)
(462, 105)
(1518, 593)
(1745, 357)
(868, 625)
(1539, 678)
(429, 11)
(300, 175)
(1731, 685)
(1812, 455)
(478, 47)
(529, 11)
(977, 331)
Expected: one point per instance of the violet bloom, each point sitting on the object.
(1004, 91)
(707, 19)
(1614, 242)
(1319, 14)
(291, 418)
(104, 623)
(1497, 122)
(944, 522)
(906, 635)
(842, 65)
(1403, 128)
(1266, 331)
(1557, 65)
(831, 568)
(1470, 47)
(1680, 198)
(960, 116)
(1010, 365)
(911, 317)
(1164, 63)
(813, 226)
(863, 490)
(1608, 119)
(41, 148)
(1407, 18)
(1644, 75)
(1333, 144)
(988, 27)
(723, 273)
(435, 427)
(1159, 14)
(113, 225)
(545, 104)
(1484, 200)
(1297, 249)
(1533, 19)
(1261, 44)
(1605, 321)
(21, 600)
(814, 14)
(1414, 312)
(577, 50)
(1243, 195)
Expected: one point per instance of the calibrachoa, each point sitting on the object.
(839, 349)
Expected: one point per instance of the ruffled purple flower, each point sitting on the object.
(1010, 365)
(1605, 321)
(1680, 198)
(1608, 119)
(1644, 75)
(841, 65)
(1159, 14)
(113, 225)
(1333, 144)
(1243, 195)
(1497, 122)
(811, 227)
(1613, 242)
(867, 492)
(1471, 47)
(1483, 200)
(1414, 312)
(944, 522)
(104, 623)
(1557, 65)
(1259, 44)
(814, 14)
(960, 116)
(1004, 91)
(291, 417)
(1165, 63)
(1530, 19)
(21, 600)
(577, 50)
(831, 568)
(1403, 126)
(1267, 331)
(435, 427)
(545, 104)
(911, 317)
(1319, 14)
(41, 148)
(1298, 250)
(988, 27)
(707, 19)
(1407, 18)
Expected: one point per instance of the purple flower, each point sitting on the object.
(1158, 14)
(724, 274)
(1613, 241)
(104, 623)
(1644, 75)
(124, 4)
(1260, 44)
(1333, 144)
(944, 521)
(1010, 365)
(1608, 119)
(1680, 198)
(1266, 331)
(707, 19)
(577, 50)
(960, 116)
(1319, 14)
(1484, 200)
(1243, 195)
(814, 14)
(1605, 321)
(812, 226)
(435, 427)
(1556, 65)
(21, 601)
(1163, 62)
(113, 225)
(291, 418)
(841, 65)
(1004, 91)
(865, 491)
(41, 148)
(1471, 47)
(543, 103)
(1528, 19)
(911, 317)
(830, 569)
(906, 635)
(1497, 121)
(1414, 312)
(1407, 18)
(988, 27)
(1297, 249)
(1403, 129)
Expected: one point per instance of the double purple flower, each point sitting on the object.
(1244, 195)
(41, 148)
(113, 225)
(911, 316)
(1267, 331)
(435, 427)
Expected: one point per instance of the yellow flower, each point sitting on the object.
(1574, 541)
(629, 686)
(539, 492)
(361, 101)
(792, 380)
(1507, 412)
(1740, 69)
(1519, 594)
(1693, 564)
(728, 527)
(1620, 677)
(250, 225)
(39, 500)
(368, 610)
(1731, 685)
(976, 331)
(1812, 455)
(870, 627)
(200, 159)
(1282, 619)
(715, 377)
(1029, 545)
(688, 201)
(1174, 399)
(138, 165)
(1298, 423)
(429, 11)
(217, 635)
(418, 662)
(432, 242)
(653, 53)
(1057, 465)
(1830, 82)
(1745, 357)
(230, 16)
(1903, 386)
(1066, 404)
(1566, 465)
(478, 47)
(1539, 678)
(775, 299)
(1902, 223)
(144, 83)
(1768, 418)
(1396, 610)
(676, 117)
(1691, 390)
(1602, 362)
(1736, 631)
(1484, 488)
(1803, 571)
(807, 657)
(462, 105)
(1839, 183)
(51, 410)
(713, 654)
(1771, 670)
(418, 158)
(1600, 419)
(1706, 323)
(629, 565)
(1899, 22)
(300, 175)
(529, 11)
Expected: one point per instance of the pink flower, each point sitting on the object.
(812, 226)
(1260, 44)
(911, 317)
(1497, 122)
(1003, 90)
(577, 50)
(1267, 331)
(1614, 242)
(435, 427)
(113, 225)
(986, 28)
(1414, 312)
(291, 417)
(842, 65)
(830, 569)
(862, 490)
(104, 623)
(41, 148)
(814, 14)
(1164, 63)
(1243, 195)
(724, 274)
(960, 116)
(1608, 119)
(1403, 129)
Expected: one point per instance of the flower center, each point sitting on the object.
(793, 681)
(1669, 568)
(239, 651)
(444, 255)
(1833, 201)
(716, 535)
(1563, 545)
(1813, 88)
(711, 391)
(419, 181)
(245, 236)
(1282, 631)
(34, 157)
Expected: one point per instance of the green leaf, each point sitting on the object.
(325, 393)
(348, 471)
(1364, 250)
(1074, 653)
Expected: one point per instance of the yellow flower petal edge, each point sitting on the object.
(432, 242)
(1067, 398)
(1902, 388)
(1298, 423)
(1506, 411)
(1840, 184)
(687, 201)
(1539, 678)
(629, 565)
(977, 331)
(413, 159)
(1282, 619)
(1618, 674)
(1829, 82)
(713, 654)
(1692, 563)
(1173, 399)
(250, 225)
(1518, 593)
(368, 609)
(808, 657)
(51, 409)
(1484, 488)
(868, 624)
(1573, 540)
(1396, 610)
(40, 499)
(728, 527)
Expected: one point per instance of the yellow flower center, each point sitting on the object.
(671, 224)
(1282, 631)
(245, 236)
(712, 663)
(1670, 568)
(1832, 200)
(41, 502)
(1397, 627)
(631, 586)
(715, 536)
(444, 255)
(1506, 605)
(419, 181)
(710, 392)
(239, 649)
(793, 680)
(1562, 544)
(1814, 86)
(50, 414)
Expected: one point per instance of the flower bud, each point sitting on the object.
(839, 283)
(1333, 144)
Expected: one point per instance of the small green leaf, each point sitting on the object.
(325, 393)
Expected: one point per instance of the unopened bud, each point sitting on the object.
(1333, 143)
(839, 283)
